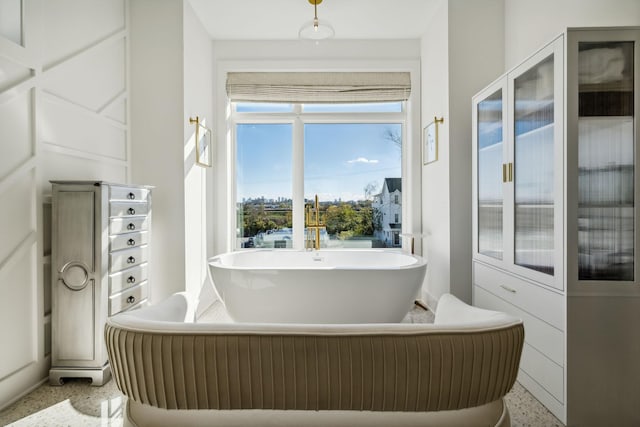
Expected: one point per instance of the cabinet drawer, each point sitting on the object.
(546, 373)
(537, 333)
(127, 193)
(127, 299)
(126, 258)
(128, 208)
(533, 299)
(128, 240)
(127, 225)
(128, 278)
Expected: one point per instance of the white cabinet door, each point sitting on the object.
(490, 172)
(534, 196)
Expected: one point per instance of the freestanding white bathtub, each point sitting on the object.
(326, 286)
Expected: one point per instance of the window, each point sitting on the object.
(263, 184)
(349, 155)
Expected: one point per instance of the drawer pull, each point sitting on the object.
(131, 279)
(131, 242)
(131, 299)
(131, 196)
(131, 211)
(131, 260)
(506, 288)
(131, 226)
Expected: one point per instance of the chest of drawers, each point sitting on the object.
(101, 235)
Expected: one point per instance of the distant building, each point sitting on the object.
(388, 207)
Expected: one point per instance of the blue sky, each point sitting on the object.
(340, 159)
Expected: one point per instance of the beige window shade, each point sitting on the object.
(318, 87)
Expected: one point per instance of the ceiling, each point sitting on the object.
(281, 19)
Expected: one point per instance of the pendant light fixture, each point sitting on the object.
(314, 29)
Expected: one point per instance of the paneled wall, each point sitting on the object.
(63, 115)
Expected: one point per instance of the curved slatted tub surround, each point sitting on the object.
(381, 368)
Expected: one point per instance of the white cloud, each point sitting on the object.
(362, 160)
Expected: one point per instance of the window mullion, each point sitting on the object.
(298, 182)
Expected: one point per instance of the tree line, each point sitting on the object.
(342, 219)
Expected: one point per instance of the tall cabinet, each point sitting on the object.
(555, 144)
(100, 252)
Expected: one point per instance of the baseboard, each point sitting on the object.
(24, 393)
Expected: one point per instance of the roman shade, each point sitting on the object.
(302, 87)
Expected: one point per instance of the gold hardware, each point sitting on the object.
(504, 172)
(316, 225)
(510, 172)
(312, 30)
(438, 120)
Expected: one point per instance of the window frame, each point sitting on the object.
(220, 202)
(298, 118)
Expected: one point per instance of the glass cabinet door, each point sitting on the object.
(606, 160)
(490, 179)
(534, 180)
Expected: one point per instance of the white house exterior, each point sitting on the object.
(387, 205)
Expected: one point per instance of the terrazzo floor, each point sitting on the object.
(77, 403)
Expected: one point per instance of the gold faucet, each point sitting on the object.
(317, 225)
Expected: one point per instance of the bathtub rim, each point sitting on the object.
(175, 315)
(310, 329)
(420, 261)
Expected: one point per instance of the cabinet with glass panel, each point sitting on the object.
(517, 153)
(555, 144)
(605, 143)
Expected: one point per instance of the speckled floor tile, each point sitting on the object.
(526, 411)
(419, 315)
(76, 403)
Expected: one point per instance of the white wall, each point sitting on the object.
(461, 53)
(325, 50)
(157, 130)
(198, 101)
(476, 49)
(435, 176)
(63, 115)
(531, 24)
(171, 80)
